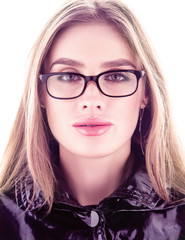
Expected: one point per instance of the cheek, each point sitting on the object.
(57, 115)
(127, 114)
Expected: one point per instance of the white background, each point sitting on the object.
(21, 22)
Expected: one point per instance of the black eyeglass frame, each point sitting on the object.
(138, 73)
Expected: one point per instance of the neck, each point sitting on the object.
(93, 179)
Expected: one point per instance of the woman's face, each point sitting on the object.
(92, 125)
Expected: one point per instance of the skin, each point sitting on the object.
(93, 165)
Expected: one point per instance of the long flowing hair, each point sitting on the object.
(31, 147)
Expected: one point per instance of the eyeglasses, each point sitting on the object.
(69, 85)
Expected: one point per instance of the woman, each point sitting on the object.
(93, 153)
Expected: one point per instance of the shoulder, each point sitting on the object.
(9, 226)
(12, 220)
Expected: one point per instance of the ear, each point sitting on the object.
(144, 102)
(42, 96)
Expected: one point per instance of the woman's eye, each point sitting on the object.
(116, 77)
(68, 77)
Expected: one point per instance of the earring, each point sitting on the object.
(42, 106)
(141, 113)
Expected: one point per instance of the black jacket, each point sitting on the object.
(133, 211)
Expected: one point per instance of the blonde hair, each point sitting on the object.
(29, 150)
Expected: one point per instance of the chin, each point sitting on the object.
(94, 154)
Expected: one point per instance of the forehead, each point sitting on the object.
(90, 35)
(91, 41)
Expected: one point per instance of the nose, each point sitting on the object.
(92, 98)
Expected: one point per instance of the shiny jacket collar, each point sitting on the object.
(138, 193)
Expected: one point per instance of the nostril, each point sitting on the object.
(84, 106)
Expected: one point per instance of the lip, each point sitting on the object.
(92, 126)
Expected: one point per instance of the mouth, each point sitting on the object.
(92, 127)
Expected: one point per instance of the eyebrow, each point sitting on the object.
(118, 63)
(74, 63)
(68, 62)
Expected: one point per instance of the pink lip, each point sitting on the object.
(92, 126)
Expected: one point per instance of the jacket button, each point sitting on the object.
(93, 219)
